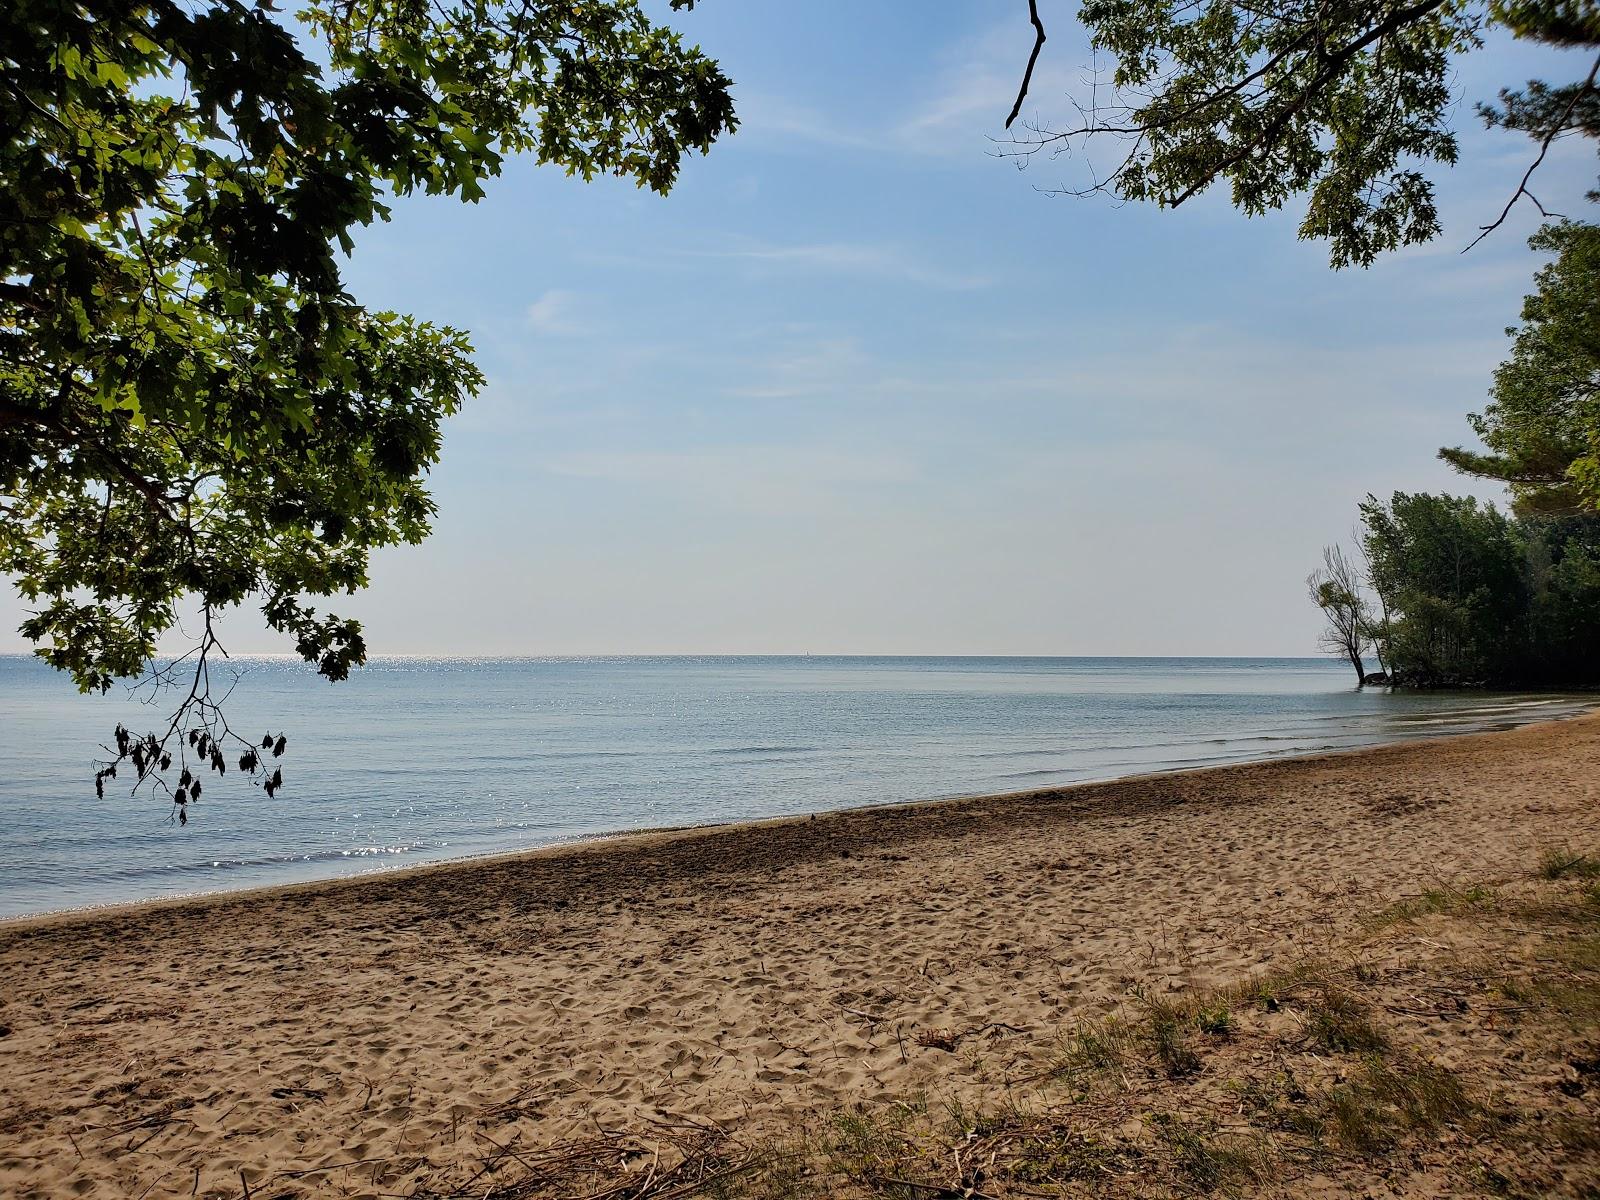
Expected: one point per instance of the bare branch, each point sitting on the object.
(1545, 143)
(1336, 588)
(1027, 75)
(196, 733)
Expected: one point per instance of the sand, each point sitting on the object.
(365, 1037)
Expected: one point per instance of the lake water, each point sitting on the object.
(416, 760)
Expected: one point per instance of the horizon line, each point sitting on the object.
(529, 656)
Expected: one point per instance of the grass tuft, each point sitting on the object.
(1562, 862)
(1095, 1047)
(1209, 1160)
(1056, 1154)
(1433, 901)
(1340, 1024)
(1216, 1020)
(1371, 1113)
(1165, 1026)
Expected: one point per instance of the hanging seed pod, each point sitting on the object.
(166, 760)
(277, 747)
(194, 790)
(247, 761)
(217, 763)
(266, 741)
(185, 777)
(277, 779)
(181, 797)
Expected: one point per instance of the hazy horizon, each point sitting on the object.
(533, 656)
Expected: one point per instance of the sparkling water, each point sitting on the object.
(416, 760)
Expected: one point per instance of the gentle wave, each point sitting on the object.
(204, 867)
(416, 760)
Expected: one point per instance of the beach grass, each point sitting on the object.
(1332, 1075)
(1343, 1072)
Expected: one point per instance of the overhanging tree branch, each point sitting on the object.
(194, 408)
(1033, 58)
(1545, 143)
(1342, 102)
(1332, 64)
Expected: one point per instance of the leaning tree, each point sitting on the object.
(1336, 589)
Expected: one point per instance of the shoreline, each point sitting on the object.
(393, 1028)
(565, 775)
(610, 838)
(592, 843)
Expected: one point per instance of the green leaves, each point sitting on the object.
(1344, 104)
(195, 411)
(1290, 99)
(1542, 426)
(1449, 571)
(1472, 597)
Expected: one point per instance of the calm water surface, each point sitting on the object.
(414, 760)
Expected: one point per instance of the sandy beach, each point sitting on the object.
(348, 1038)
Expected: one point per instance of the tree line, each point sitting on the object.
(1449, 592)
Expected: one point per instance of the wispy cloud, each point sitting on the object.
(758, 478)
(873, 260)
(811, 367)
(557, 314)
(975, 92)
(766, 117)
(954, 116)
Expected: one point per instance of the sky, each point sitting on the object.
(858, 385)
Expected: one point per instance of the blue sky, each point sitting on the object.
(858, 385)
